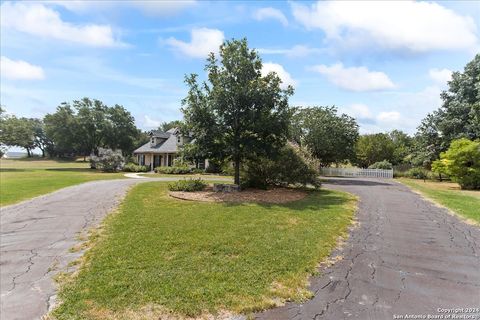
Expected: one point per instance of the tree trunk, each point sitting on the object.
(237, 171)
(43, 153)
(28, 152)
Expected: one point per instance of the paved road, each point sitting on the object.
(35, 238)
(406, 257)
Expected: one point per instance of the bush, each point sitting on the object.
(173, 170)
(189, 185)
(107, 160)
(461, 162)
(385, 165)
(293, 166)
(417, 173)
(133, 167)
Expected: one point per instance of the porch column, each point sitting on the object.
(151, 162)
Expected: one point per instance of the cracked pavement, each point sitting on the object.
(35, 238)
(406, 256)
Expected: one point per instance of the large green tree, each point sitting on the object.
(373, 148)
(238, 113)
(85, 125)
(18, 132)
(458, 117)
(329, 136)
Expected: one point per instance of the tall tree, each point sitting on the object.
(18, 132)
(85, 125)
(330, 137)
(403, 144)
(165, 126)
(373, 148)
(237, 114)
(458, 117)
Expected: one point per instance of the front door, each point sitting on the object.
(157, 161)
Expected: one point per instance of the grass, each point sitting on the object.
(160, 255)
(24, 179)
(463, 202)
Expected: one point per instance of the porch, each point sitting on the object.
(156, 160)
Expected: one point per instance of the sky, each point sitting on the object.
(384, 63)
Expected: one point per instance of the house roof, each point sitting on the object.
(160, 134)
(168, 145)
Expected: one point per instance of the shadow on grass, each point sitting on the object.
(12, 170)
(315, 200)
(88, 170)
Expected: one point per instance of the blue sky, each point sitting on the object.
(384, 63)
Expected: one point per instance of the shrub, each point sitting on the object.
(385, 165)
(173, 170)
(107, 160)
(189, 185)
(293, 166)
(133, 167)
(417, 173)
(461, 162)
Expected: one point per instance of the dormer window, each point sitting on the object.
(178, 139)
(152, 140)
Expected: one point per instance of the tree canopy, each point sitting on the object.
(83, 126)
(372, 148)
(458, 117)
(237, 113)
(330, 137)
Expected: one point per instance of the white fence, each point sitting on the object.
(358, 172)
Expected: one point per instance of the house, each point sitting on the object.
(162, 149)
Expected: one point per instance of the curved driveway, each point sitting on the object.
(406, 257)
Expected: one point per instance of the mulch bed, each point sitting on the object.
(275, 195)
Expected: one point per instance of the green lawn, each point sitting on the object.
(160, 255)
(26, 178)
(463, 202)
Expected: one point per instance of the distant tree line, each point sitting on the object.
(79, 128)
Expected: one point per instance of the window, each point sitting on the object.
(178, 139)
(152, 140)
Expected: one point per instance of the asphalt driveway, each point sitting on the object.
(35, 238)
(406, 257)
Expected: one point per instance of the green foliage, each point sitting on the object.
(165, 126)
(85, 125)
(133, 167)
(237, 114)
(417, 173)
(189, 185)
(108, 160)
(330, 137)
(385, 165)
(373, 148)
(403, 145)
(292, 166)
(20, 132)
(174, 170)
(462, 163)
(458, 117)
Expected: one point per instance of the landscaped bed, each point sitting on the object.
(274, 195)
(160, 257)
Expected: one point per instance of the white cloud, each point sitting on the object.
(38, 20)
(296, 51)
(20, 70)
(358, 111)
(157, 8)
(150, 123)
(416, 26)
(270, 13)
(390, 117)
(355, 78)
(440, 76)
(280, 71)
(203, 41)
